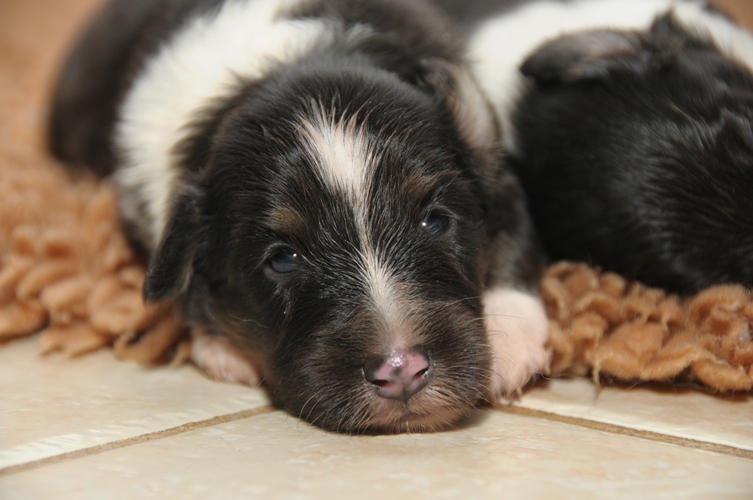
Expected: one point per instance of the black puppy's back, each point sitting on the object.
(642, 163)
(629, 124)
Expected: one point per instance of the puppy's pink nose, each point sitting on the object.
(399, 375)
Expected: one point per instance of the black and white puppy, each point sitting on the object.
(319, 184)
(630, 124)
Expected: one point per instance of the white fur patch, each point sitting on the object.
(201, 63)
(500, 45)
(518, 332)
(221, 361)
(345, 160)
(470, 108)
(342, 153)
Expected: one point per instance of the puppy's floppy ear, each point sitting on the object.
(476, 123)
(513, 256)
(171, 264)
(470, 108)
(478, 127)
(583, 56)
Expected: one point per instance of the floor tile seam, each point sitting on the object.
(136, 440)
(629, 431)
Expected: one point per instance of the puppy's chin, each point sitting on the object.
(385, 416)
(392, 417)
(437, 408)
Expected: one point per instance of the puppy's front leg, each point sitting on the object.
(518, 331)
(220, 360)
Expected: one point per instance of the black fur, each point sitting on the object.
(637, 155)
(250, 192)
(467, 14)
(635, 149)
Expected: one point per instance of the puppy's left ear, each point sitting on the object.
(513, 254)
(469, 106)
(475, 123)
(584, 56)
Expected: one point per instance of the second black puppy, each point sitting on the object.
(630, 124)
(319, 184)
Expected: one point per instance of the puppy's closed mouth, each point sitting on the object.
(429, 411)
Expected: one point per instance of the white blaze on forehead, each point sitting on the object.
(342, 153)
(200, 64)
(501, 44)
(345, 159)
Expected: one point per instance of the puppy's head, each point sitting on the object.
(637, 150)
(336, 226)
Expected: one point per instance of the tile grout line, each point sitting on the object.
(144, 438)
(627, 431)
(517, 410)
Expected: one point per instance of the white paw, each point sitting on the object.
(220, 360)
(518, 332)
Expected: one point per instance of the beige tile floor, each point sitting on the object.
(97, 428)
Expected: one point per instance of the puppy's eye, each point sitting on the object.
(436, 225)
(284, 262)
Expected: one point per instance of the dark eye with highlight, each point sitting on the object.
(436, 225)
(284, 262)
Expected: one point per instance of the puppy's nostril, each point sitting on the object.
(400, 374)
(381, 383)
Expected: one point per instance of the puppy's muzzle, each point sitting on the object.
(400, 374)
